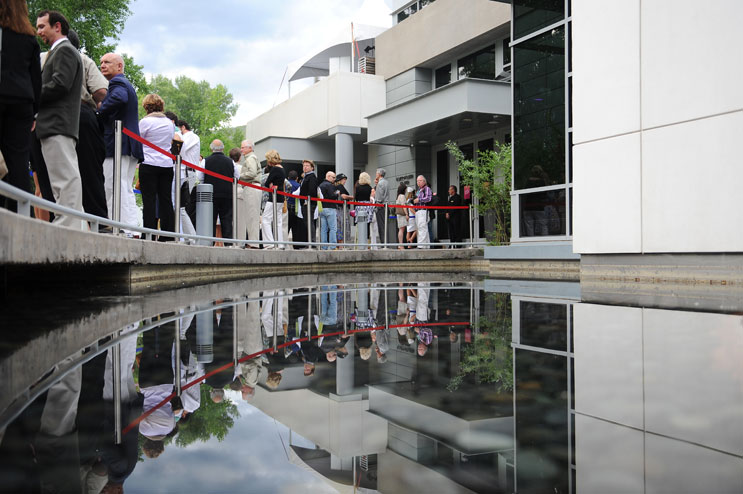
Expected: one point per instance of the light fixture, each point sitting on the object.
(466, 120)
(422, 142)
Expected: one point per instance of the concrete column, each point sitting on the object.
(344, 371)
(344, 155)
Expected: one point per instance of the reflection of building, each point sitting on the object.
(440, 74)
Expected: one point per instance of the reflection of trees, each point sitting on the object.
(489, 359)
(210, 420)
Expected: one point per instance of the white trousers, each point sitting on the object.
(267, 224)
(421, 223)
(64, 175)
(248, 213)
(129, 210)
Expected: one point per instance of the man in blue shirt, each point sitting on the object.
(120, 104)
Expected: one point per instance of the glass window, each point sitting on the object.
(539, 111)
(443, 75)
(542, 213)
(506, 53)
(425, 3)
(478, 65)
(407, 12)
(544, 325)
(532, 15)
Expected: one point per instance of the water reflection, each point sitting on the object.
(396, 387)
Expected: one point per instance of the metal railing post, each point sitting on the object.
(116, 368)
(386, 310)
(178, 357)
(235, 330)
(116, 213)
(275, 321)
(275, 225)
(309, 312)
(177, 224)
(234, 210)
(386, 223)
(343, 222)
(472, 233)
(309, 223)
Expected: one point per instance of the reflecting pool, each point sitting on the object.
(434, 384)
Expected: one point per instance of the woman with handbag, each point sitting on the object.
(274, 180)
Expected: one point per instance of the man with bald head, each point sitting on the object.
(120, 103)
(249, 204)
(219, 163)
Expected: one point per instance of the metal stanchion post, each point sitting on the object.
(235, 329)
(345, 313)
(116, 361)
(178, 357)
(309, 312)
(275, 225)
(469, 212)
(386, 223)
(343, 222)
(309, 223)
(386, 310)
(116, 213)
(177, 206)
(275, 321)
(235, 234)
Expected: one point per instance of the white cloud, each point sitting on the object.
(244, 45)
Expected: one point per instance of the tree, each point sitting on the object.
(232, 137)
(204, 107)
(98, 25)
(489, 176)
(210, 420)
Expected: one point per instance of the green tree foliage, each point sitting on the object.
(489, 359)
(489, 177)
(98, 25)
(210, 420)
(204, 107)
(230, 136)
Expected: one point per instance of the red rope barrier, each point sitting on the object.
(270, 189)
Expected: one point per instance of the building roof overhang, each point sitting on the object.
(461, 108)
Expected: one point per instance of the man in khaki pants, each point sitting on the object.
(249, 204)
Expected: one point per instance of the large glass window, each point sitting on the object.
(542, 213)
(506, 54)
(539, 111)
(407, 12)
(443, 75)
(544, 325)
(478, 65)
(532, 15)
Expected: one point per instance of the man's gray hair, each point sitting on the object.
(248, 143)
(216, 146)
(381, 172)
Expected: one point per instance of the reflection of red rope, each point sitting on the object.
(229, 365)
(266, 189)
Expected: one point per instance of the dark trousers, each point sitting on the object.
(15, 142)
(381, 221)
(91, 151)
(297, 227)
(155, 183)
(223, 209)
(455, 228)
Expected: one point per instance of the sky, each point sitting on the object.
(242, 44)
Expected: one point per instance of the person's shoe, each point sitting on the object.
(105, 229)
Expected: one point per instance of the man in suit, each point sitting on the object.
(58, 119)
(219, 163)
(120, 103)
(454, 216)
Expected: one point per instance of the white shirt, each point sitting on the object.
(159, 131)
(191, 148)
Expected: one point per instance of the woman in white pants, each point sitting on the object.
(275, 179)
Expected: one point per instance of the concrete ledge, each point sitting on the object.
(527, 250)
(680, 281)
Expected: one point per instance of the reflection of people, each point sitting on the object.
(453, 216)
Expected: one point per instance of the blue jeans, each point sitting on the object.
(328, 227)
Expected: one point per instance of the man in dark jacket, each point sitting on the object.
(309, 188)
(219, 163)
(454, 216)
(59, 114)
(120, 104)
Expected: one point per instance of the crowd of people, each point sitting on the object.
(57, 116)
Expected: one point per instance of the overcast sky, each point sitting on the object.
(243, 44)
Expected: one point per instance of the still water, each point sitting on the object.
(428, 385)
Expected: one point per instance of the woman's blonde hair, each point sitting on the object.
(152, 103)
(273, 157)
(273, 380)
(364, 179)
